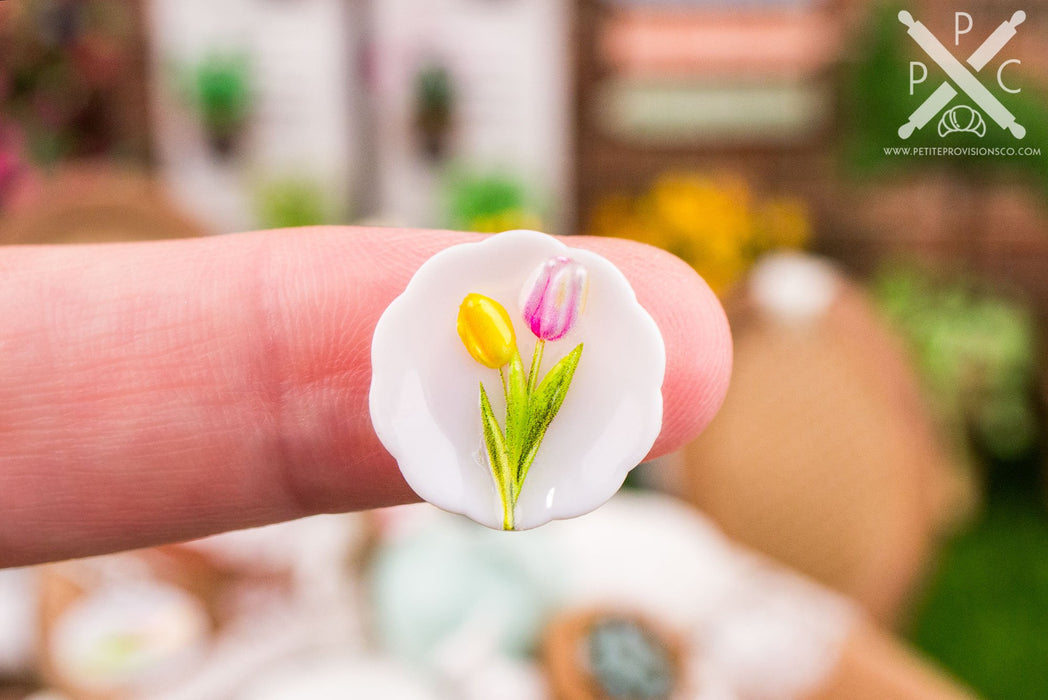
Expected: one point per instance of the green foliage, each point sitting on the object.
(489, 203)
(984, 615)
(222, 90)
(874, 95)
(543, 406)
(529, 413)
(473, 197)
(517, 401)
(498, 458)
(292, 202)
(976, 352)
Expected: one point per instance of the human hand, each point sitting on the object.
(156, 392)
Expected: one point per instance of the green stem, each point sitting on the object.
(505, 498)
(513, 476)
(536, 363)
(498, 457)
(506, 481)
(508, 506)
(504, 486)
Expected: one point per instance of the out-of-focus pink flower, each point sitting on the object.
(554, 296)
(11, 165)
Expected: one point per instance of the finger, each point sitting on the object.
(154, 392)
(693, 326)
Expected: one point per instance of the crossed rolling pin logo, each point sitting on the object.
(963, 79)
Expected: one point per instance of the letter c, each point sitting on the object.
(1000, 80)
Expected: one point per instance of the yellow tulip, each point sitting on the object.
(486, 330)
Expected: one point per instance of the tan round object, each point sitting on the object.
(108, 630)
(94, 204)
(823, 455)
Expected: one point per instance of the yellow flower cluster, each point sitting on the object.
(714, 223)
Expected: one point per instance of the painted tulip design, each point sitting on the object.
(552, 302)
(554, 297)
(568, 431)
(486, 331)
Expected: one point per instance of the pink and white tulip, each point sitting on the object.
(553, 298)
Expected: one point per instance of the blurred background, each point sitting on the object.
(866, 518)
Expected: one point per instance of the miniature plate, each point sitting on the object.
(476, 426)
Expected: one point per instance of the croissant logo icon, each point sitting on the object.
(962, 117)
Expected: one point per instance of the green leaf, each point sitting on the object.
(516, 409)
(543, 406)
(497, 457)
(493, 438)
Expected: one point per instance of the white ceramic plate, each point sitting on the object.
(425, 395)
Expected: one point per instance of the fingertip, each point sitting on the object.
(698, 356)
(694, 328)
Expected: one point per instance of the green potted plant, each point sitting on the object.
(221, 91)
(434, 102)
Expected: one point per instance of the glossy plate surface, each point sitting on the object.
(424, 392)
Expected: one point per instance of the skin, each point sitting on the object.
(163, 391)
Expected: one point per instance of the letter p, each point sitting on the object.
(957, 31)
(915, 80)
